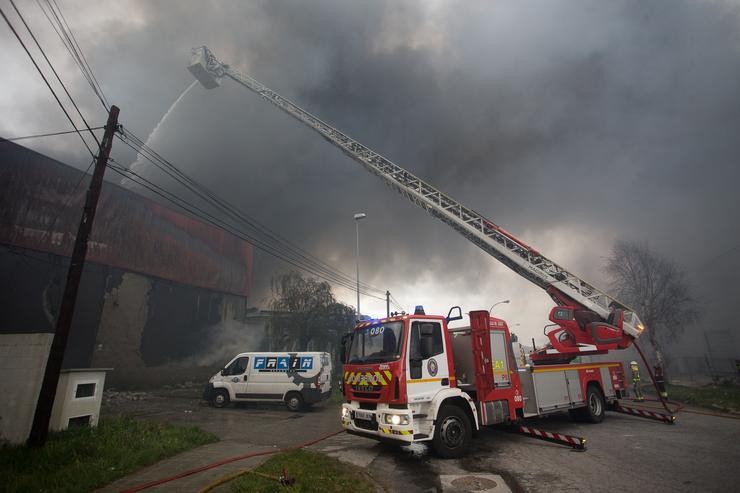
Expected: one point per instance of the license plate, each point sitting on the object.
(366, 415)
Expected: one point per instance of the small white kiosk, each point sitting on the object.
(78, 399)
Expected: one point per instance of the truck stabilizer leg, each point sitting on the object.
(644, 413)
(578, 443)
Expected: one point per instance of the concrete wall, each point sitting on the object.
(22, 364)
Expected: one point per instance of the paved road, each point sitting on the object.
(699, 453)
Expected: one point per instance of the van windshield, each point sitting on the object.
(377, 343)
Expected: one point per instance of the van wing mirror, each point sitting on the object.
(223, 372)
(459, 316)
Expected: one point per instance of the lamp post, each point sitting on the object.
(497, 303)
(358, 216)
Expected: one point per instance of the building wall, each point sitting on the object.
(155, 281)
(40, 209)
(22, 363)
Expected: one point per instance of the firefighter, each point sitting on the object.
(636, 381)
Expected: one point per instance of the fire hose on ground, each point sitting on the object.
(213, 465)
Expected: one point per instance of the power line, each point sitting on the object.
(43, 53)
(215, 221)
(67, 37)
(395, 302)
(148, 153)
(276, 241)
(10, 25)
(51, 134)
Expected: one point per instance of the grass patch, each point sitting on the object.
(718, 397)
(313, 472)
(84, 458)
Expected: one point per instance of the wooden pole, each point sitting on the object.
(42, 416)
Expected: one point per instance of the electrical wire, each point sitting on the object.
(43, 53)
(274, 239)
(219, 223)
(209, 196)
(50, 134)
(68, 39)
(395, 302)
(46, 81)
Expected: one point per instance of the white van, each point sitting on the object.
(298, 379)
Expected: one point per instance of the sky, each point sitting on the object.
(571, 124)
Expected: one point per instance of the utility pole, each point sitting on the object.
(387, 303)
(40, 427)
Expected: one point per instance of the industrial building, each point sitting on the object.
(155, 280)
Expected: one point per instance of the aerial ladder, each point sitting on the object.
(586, 320)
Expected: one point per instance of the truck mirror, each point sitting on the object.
(459, 316)
(223, 372)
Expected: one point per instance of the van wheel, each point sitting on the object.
(294, 401)
(453, 432)
(595, 408)
(220, 398)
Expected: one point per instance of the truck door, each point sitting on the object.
(236, 376)
(427, 371)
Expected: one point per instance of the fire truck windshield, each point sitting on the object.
(379, 343)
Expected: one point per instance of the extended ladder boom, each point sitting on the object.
(506, 248)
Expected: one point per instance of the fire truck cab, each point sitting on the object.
(410, 378)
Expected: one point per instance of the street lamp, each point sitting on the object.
(497, 303)
(358, 216)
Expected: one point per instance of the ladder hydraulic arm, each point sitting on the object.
(565, 288)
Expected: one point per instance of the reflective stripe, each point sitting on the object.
(425, 380)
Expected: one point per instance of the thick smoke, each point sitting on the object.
(571, 124)
(226, 340)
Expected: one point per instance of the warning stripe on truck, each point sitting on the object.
(368, 378)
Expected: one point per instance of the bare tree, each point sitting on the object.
(656, 288)
(306, 316)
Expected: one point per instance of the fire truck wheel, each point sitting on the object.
(220, 398)
(595, 407)
(294, 401)
(453, 432)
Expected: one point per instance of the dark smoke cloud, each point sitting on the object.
(571, 124)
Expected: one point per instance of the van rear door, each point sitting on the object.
(326, 372)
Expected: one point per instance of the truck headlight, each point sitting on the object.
(345, 412)
(396, 419)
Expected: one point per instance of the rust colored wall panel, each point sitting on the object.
(40, 207)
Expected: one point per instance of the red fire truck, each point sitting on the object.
(412, 378)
